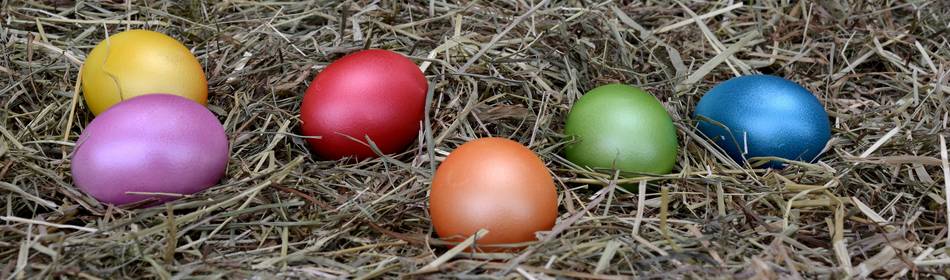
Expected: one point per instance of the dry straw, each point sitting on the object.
(875, 206)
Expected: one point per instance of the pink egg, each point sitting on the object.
(156, 143)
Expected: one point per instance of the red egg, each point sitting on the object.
(372, 93)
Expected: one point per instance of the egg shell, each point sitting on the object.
(156, 143)
(496, 184)
(617, 126)
(375, 93)
(767, 116)
(137, 62)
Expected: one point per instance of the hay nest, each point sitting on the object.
(873, 206)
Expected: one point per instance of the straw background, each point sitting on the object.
(874, 206)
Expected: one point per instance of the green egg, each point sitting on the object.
(617, 126)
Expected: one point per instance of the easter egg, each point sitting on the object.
(137, 62)
(496, 184)
(764, 116)
(377, 94)
(617, 126)
(155, 143)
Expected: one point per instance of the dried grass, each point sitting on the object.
(874, 206)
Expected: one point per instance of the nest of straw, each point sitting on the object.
(873, 206)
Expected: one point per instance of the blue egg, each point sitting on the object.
(767, 116)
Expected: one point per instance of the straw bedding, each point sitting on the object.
(873, 206)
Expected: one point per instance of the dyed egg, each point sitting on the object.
(156, 143)
(766, 116)
(373, 93)
(496, 184)
(138, 62)
(621, 127)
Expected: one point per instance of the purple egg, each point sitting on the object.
(155, 143)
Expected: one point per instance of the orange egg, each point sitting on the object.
(496, 184)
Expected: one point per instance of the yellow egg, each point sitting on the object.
(138, 62)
